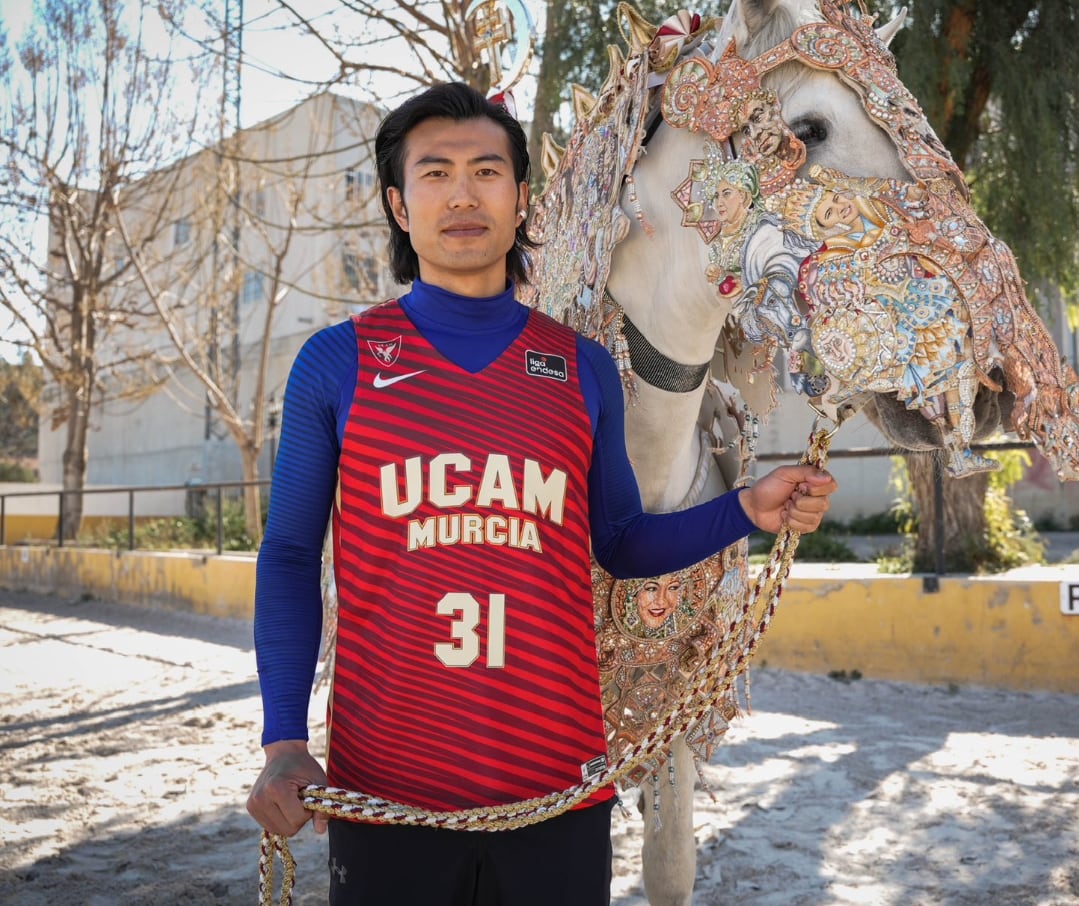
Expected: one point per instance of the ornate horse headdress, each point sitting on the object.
(727, 98)
(900, 236)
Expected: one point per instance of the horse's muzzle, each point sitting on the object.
(909, 429)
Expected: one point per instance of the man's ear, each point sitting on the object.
(522, 197)
(397, 206)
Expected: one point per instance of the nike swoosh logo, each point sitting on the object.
(379, 381)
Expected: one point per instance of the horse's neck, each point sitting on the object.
(657, 277)
(671, 456)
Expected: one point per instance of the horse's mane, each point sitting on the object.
(777, 28)
(577, 218)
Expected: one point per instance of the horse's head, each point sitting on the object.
(821, 112)
(815, 214)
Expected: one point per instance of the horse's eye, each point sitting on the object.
(810, 130)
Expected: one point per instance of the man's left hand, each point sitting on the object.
(795, 497)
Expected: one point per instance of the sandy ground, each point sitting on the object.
(129, 738)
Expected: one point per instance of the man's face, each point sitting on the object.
(762, 126)
(459, 203)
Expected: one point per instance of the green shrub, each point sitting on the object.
(14, 471)
(888, 522)
(178, 532)
(822, 546)
(1010, 537)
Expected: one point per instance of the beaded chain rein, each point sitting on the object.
(693, 706)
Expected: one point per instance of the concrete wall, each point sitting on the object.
(203, 583)
(1008, 631)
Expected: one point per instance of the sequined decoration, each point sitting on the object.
(653, 636)
(580, 203)
(914, 297)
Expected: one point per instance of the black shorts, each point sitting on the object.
(564, 861)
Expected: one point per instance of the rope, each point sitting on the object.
(269, 846)
(694, 705)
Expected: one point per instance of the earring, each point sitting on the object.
(523, 213)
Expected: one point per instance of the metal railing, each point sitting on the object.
(217, 487)
(932, 582)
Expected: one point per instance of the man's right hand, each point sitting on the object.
(274, 801)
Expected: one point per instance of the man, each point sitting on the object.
(470, 449)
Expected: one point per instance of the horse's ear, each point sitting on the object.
(888, 31)
(551, 156)
(584, 102)
(637, 31)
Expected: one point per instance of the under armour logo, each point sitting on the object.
(339, 870)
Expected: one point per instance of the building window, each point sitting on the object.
(358, 184)
(256, 202)
(361, 271)
(252, 288)
(181, 232)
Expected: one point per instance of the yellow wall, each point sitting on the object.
(20, 528)
(204, 583)
(1007, 631)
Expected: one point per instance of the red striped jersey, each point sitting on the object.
(466, 666)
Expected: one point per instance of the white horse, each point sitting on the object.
(658, 278)
(669, 320)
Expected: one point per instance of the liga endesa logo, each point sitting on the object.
(545, 364)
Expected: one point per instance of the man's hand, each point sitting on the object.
(791, 496)
(274, 801)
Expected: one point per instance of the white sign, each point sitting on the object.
(1069, 598)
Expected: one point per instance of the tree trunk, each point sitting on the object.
(252, 493)
(964, 522)
(74, 462)
(550, 87)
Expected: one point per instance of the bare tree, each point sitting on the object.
(279, 217)
(89, 111)
(381, 49)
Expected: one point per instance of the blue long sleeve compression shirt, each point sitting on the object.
(472, 333)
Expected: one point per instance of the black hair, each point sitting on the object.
(456, 101)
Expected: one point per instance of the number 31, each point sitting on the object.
(464, 630)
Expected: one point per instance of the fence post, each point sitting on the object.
(3, 519)
(60, 527)
(938, 514)
(220, 522)
(131, 519)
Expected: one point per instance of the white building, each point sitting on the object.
(260, 241)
